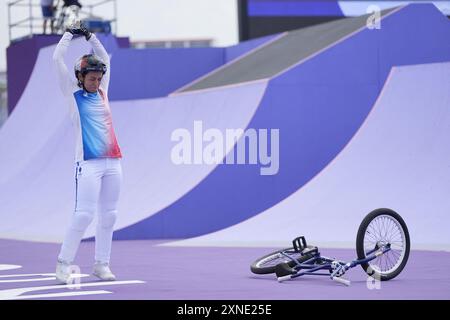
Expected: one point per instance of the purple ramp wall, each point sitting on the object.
(21, 57)
(398, 159)
(292, 8)
(137, 73)
(318, 106)
(150, 73)
(37, 185)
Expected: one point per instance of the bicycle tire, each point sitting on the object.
(258, 267)
(391, 221)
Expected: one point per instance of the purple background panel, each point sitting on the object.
(149, 73)
(258, 8)
(158, 72)
(22, 55)
(136, 73)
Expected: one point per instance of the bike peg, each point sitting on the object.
(342, 280)
(281, 279)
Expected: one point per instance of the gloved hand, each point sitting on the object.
(73, 30)
(85, 32)
(79, 28)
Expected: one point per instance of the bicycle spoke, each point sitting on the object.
(385, 230)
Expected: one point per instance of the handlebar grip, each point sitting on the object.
(342, 280)
(280, 279)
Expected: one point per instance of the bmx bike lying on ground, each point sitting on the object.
(382, 246)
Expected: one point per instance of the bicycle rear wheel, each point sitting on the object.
(267, 263)
(380, 227)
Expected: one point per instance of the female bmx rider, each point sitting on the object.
(98, 168)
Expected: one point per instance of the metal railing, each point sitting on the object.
(30, 12)
(3, 102)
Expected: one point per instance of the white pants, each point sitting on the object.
(98, 184)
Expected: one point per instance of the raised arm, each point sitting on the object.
(100, 51)
(65, 79)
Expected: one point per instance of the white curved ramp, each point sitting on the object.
(37, 185)
(39, 112)
(399, 159)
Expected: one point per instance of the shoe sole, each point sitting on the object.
(104, 279)
(61, 281)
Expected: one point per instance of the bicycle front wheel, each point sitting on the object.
(381, 227)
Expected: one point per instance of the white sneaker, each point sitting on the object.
(102, 271)
(62, 272)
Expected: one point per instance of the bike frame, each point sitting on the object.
(308, 267)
